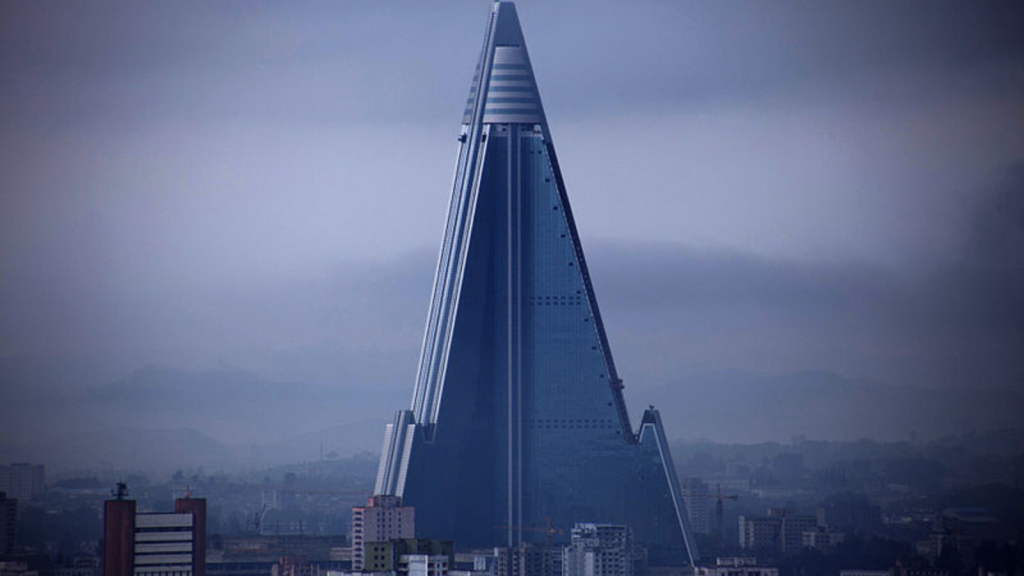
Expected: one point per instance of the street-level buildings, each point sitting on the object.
(599, 550)
(738, 566)
(8, 524)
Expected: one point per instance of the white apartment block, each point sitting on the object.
(163, 544)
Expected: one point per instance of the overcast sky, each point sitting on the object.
(772, 186)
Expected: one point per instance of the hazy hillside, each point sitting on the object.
(231, 418)
(187, 418)
(734, 406)
(123, 448)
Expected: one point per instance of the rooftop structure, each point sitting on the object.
(154, 544)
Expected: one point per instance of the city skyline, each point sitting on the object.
(804, 223)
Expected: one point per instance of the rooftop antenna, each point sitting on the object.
(120, 490)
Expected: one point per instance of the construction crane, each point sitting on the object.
(719, 511)
(719, 508)
(257, 521)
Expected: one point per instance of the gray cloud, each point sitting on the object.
(771, 186)
(670, 309)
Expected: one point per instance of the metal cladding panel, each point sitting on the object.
(383, 484)
(510, 91)
(390, 473)
(517, 416)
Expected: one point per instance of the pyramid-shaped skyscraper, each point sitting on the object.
(517, 417)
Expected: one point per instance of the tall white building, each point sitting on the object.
(381, 520)
(599, 550)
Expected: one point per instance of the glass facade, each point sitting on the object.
(517, 417)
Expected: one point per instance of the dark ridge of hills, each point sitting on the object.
(123, 448)
(736, 406)
(231, 418)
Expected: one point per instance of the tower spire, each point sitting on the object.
(518, 416)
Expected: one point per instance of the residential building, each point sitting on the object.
(16, 568)
(294, 566)
(164, 544)
(699, 501)
(153, 543)
(84, 565)
(599, 550)
(22, 481)
(735, 567)
(823, 539)
(387, 556)
(382, 519)
(8, 524)
(760, 533)
(424, 564)
(793, 528)
(528, 559)
(779, 532)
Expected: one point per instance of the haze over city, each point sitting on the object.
(763, 191)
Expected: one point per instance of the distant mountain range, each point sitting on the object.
(165, 418)
(736, 406)
(227, 418)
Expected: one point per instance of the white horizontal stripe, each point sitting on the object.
(163, 559)
(512, 119)
(516, 94)
(166, 547)
(509, 72)
(162, 520)
(510, 84)
(515, 107)
(163, 536)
